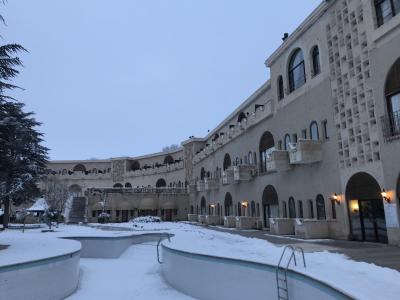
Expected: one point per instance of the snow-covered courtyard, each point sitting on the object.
(136, 274)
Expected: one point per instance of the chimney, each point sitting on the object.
(285, 36)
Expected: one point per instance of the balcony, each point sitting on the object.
(305, 152)
(278, 161)
(200, 186)
(227, 176)
(243, 172)
(391, 126)
(211, 184)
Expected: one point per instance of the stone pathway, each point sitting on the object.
(379, 254)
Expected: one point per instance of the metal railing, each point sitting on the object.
(391, 126)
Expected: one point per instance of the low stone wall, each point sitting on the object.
(213, 220)
(230, 222)
(281, 226)
(247, 223)
(192, 218)
(311, 229)
(190, 273)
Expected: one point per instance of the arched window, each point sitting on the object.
(128, 185)
(316, 65)
(284, 209)
(281, 93)
(321, 215)
(266, 147)
(203, 207)
(287, 141)
(310, 209)
(253, 209)
(239, 209)
(118, 186)
(292, 208)
(227, 161)
(250, 158)
(392, 93)
(297, 71)
(314, 135)
(300, 208)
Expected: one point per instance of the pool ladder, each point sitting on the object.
(281, 270)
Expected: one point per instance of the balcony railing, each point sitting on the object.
(391, 126)
(227, 176)
(243, 172)
(200, 186)
(305, 152)
(211, 184)
(277, 161)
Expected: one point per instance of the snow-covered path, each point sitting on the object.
(134, 275)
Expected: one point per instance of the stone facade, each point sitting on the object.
(318, 142)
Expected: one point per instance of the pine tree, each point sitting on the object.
(22, 157)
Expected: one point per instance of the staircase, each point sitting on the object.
(77, 211)
(282, 268)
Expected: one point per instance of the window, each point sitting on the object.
(287, 142)
(325, 129)
(297, 71)
(266, 147)
(321, 215)
(300, 207)
(304, 134)
(310, 209)
(392, 93)
(284, 209)
(281, 93)
(292, 208)
(316, 66)
(280, 144)
(314, 131)
(385, 10)
(333, 208)
(294, 138)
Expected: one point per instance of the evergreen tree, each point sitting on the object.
(22, 157)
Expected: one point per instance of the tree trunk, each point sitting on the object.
(6, 216)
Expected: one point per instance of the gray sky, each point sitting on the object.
(126, 78)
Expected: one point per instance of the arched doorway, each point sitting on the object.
(75, 190)
(266, 146)
(270, 204)
(168, 160)
(203, 207)
(161, 183)
(227, 161)
(366, 210)
(228, 203)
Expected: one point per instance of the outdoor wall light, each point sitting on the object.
(212, 205)
(245, 204)
(336, 199)
(385, 196)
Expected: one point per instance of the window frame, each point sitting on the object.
(311, 132)
(315, 61)
(294, 85)
(281, 89)
(380, 18)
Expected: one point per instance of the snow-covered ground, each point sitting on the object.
(136, 274)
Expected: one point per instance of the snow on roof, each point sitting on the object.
(39, 205)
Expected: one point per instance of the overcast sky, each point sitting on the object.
(126, 78)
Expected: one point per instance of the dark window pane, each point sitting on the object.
(383, 11)
(315, 61)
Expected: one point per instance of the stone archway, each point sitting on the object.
(366, 208)
(270, 204)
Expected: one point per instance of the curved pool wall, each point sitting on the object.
(213, 278)
(113, 246)
(44, 279)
